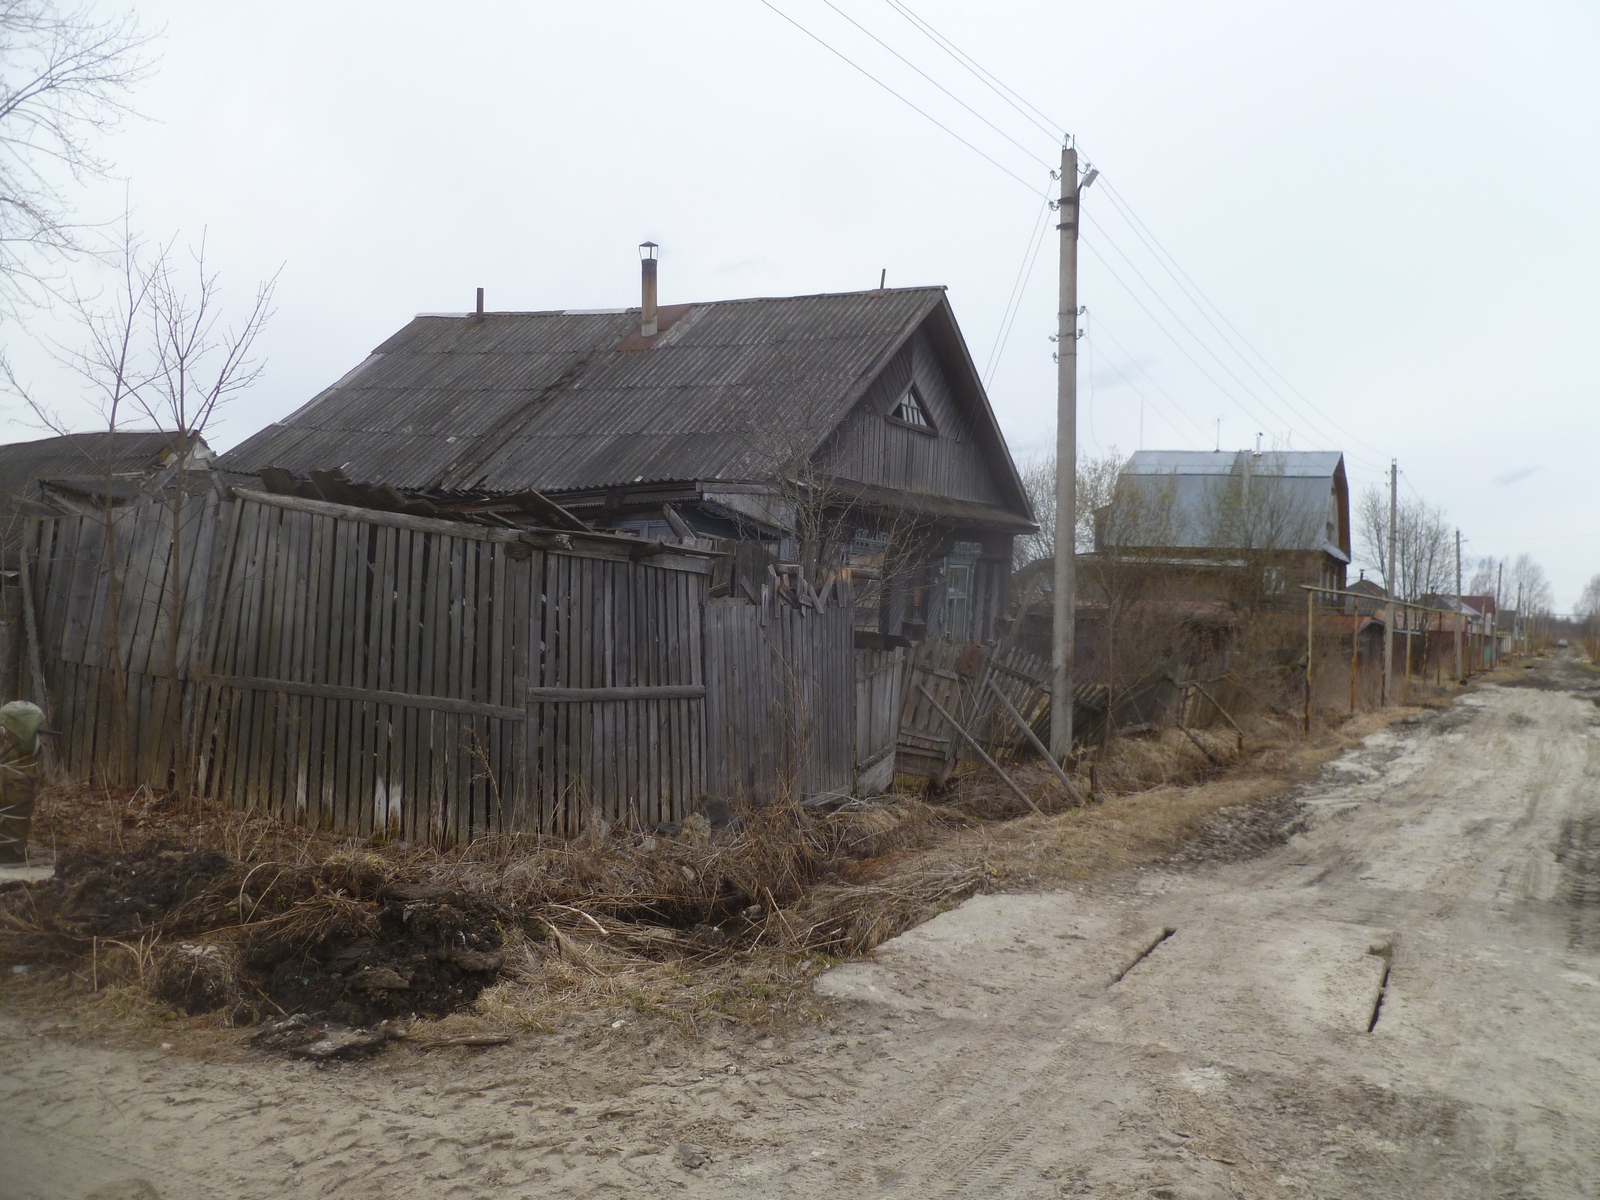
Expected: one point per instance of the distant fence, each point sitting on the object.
(426, 679)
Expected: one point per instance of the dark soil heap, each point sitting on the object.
(343, 938)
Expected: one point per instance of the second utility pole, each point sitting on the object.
(1460, 614)
(1388, 585)
(1064, 617)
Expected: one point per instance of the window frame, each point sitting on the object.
(914, 393)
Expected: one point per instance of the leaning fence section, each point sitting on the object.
(374, 672)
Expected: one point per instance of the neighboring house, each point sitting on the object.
(82, 472)
(731, 419)
(1231, 527)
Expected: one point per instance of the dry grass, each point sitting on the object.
(704, 928)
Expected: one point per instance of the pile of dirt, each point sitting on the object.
(204, 933)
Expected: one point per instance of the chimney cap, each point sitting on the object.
(648, 249)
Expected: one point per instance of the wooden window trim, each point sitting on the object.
(912, 390)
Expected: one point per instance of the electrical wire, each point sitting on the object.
(1100, 327)
(909, 104)
(1181, 277)
(1321, 424)
(1184, 350)
(1019, 287)
(1199, 341)
(936, 83)
(990, 80)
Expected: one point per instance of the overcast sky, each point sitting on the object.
(1395, 205)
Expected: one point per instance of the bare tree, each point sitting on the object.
(1097, 482)
(1589, 600)
(1424, 544)
(159, 351)
(65, 74)
(1522, 576)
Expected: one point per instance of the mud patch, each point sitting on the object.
(1578, 852)
(1243, 831)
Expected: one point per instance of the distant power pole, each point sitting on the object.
(1389, 581)
(1460, 616)
(1516, 626)
(1064, 618)
(1499, 578)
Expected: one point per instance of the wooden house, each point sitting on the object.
(840, 430)
(1237, 528)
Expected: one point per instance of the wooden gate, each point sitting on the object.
(780, 704)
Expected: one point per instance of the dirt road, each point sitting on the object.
(1403, 1000)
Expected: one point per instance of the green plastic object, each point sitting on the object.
(23, 722)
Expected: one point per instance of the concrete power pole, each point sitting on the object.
(1516, 626)
(1460, 616)
(1064, 617)
(1494, 649)
(1389, 582)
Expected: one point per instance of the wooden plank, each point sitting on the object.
(595, 544)
(380, 674)
(244, 651)
(456, 798)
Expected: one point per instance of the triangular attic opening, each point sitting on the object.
(912, 411)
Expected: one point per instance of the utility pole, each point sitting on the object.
(1064, 619)
(1388, 583)
(1499, 578)
(1460, 616)
(1516, 626)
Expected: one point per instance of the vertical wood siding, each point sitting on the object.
(869, 448)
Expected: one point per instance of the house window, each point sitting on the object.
(959, 570)
(911, 410)
(1272, 581)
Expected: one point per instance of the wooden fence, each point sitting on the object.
(426, 679)
(780, 709)
(880, 681)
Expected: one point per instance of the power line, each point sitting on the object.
(1099, 327)
(1184, 325)
(937, 84)
(1019, 286)
(1254, 417)
(921, 112)
(990, 80)
(1322, 424)
(1175, 270)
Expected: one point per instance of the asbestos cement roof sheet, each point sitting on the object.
(562, 400)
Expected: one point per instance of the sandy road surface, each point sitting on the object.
(1203, 1031)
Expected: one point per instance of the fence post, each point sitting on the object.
(1311, 600)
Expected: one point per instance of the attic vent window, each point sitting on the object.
(912, 411)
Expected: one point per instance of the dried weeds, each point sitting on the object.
(201, 910)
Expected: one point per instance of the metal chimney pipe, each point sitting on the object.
(480, 302)
(647, 287)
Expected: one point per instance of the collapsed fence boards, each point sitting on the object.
(104, 594)
(780, 705)
(375, 672)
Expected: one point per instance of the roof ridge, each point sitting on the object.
(611, 312)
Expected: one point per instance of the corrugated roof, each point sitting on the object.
(547, 401)
(1314, 464)
(1300, 497)
(125, 452)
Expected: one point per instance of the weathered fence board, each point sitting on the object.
(880, 677)
(780, 700)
